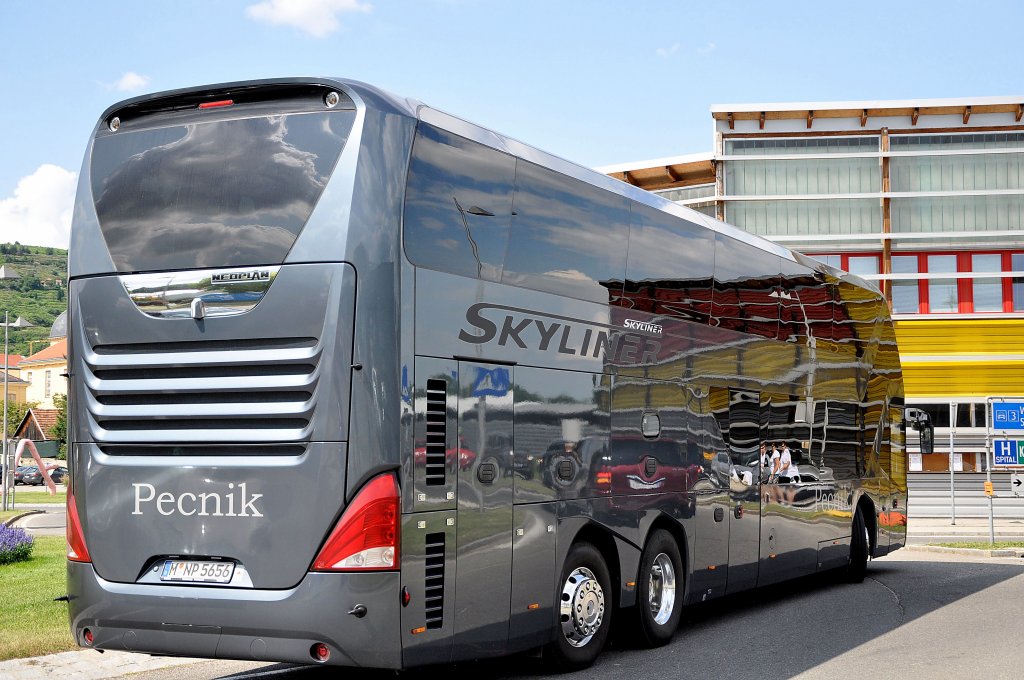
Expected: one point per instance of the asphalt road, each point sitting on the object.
(917, 615)
(49, 523)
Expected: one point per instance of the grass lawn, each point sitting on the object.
(21, 496)
(982, 545)
(7, 514)
(31, 623)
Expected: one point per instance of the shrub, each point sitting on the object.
(15, 544)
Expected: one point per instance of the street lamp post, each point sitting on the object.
(20, 323)
(6, 273)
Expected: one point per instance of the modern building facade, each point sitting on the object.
(925, 197)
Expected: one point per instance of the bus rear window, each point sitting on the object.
(223, 193)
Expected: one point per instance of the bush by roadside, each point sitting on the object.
(15, 544)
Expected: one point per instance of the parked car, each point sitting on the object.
(28, 474)
(59, 475)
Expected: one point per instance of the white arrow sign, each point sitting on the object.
(1017, 484)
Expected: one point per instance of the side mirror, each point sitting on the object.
(921, 422)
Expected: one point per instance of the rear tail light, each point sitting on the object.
(77, 551)
(366, 536)
(603, 478)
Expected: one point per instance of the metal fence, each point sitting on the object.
(930, 495)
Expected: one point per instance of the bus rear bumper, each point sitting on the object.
(235, 623)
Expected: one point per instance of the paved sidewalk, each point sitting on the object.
(86, 664)
(922, 530)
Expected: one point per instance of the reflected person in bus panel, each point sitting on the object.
(786, 469)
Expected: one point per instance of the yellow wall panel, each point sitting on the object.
(962, 357)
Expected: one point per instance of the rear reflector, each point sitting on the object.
(366, 536)
(217, 104)
(77, 552)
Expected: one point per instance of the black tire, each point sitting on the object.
(585, 589)
(860, 544)
(660, 590)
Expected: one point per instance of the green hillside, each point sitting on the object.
(39, 296)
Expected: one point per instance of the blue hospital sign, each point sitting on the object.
(1008, 415)
(1008, 451)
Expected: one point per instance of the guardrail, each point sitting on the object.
(929, 495)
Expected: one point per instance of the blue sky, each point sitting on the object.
(596, 82)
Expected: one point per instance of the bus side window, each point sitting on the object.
(669, 267)
(458, 205)
(568, 237)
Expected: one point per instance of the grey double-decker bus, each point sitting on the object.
(357, 382)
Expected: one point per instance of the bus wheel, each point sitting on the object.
(860, 544)
(585, 608)
(660, 596)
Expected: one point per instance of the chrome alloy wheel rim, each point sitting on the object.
(582, 607)
(661, 589)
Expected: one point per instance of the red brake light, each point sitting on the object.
(366, 536)
(77, 552)
(217, 104)
(603, 478)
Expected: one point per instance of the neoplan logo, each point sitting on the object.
(252, 276)
(237, 502)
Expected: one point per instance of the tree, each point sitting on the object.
(59, 430)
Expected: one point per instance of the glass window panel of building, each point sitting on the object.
(1017, 265)
(983, 140)
(957, 173)
(987, 293)
(958, 213)
(906, 295)
(806, 217)
(791, 146)
(805, 176)
(942, 293)
(862, 265)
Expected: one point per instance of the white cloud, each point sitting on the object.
(39, 213)
(707, 49)
(666, 52)
(130, 82)
(319, 18)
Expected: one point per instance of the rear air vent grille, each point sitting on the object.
(434, 581)
(437, 431)
(202, 392)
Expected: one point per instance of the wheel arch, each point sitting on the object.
(604, 541)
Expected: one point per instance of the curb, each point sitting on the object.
(976, 552)
(17, 518)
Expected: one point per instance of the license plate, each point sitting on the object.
(197, 571)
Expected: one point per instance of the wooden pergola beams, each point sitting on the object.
(673, 176)
(916, 113)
